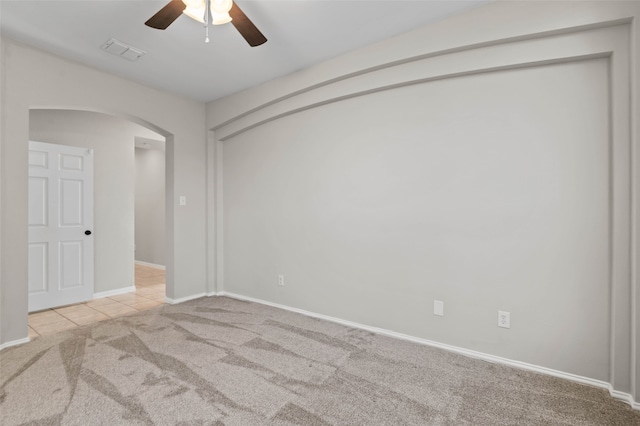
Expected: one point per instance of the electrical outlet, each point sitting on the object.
(504, 319)
(281, 280)
(438, 308)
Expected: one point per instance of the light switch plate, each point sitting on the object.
(438, 308)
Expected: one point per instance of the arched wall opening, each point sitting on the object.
(121, 191)
(34, 79)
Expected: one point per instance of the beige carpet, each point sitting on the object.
(219, 361)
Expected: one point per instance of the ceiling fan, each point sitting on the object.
(215, 11)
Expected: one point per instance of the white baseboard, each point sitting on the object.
(625, 397)
(151, 265)
(467, 352)
(14, 343)
(184, 299)
(115, 292)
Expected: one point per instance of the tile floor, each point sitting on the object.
(150, 292)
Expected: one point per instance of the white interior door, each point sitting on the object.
(60, 225)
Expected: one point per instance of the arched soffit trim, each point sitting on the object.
(132, 118)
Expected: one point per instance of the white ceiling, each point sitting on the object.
(300, 33)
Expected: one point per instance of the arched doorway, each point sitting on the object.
(113, 137)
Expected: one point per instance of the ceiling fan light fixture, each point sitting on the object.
(219, 10)
(194, 3)
(219, 19)
(196, 13)
(221, 6)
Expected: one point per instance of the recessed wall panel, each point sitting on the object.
(38, 159)
(71, 193)
(38, 201)
(71, 162)
(38, 268)
(491, 191)
(70, 264)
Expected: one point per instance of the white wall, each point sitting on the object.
(482, 161)
(487, 192)
(149, 205)
(33, 79)
(112, 140)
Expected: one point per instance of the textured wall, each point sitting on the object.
(482, 161)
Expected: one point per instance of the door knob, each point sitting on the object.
(87, 232)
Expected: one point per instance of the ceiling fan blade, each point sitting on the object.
(166, 15)
(245, 27)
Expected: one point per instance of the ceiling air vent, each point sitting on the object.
(118, 48)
